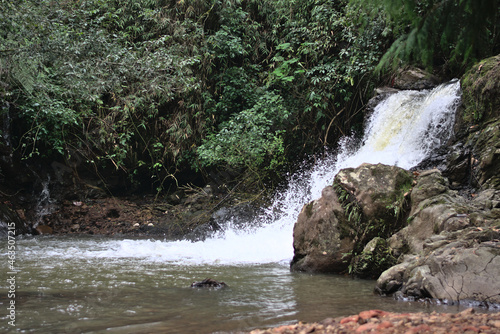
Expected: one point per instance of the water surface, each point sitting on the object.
(95, 292)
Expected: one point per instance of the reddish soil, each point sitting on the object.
(381, 322)
(112, 216)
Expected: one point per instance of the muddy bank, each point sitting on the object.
(376, 321)
(192, 213)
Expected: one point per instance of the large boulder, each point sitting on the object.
(380, 193)
(318, 239)
(332, 232)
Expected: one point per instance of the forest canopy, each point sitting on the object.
(153, 89)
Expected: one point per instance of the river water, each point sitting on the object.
(83, 284)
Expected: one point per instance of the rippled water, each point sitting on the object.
(93, 292)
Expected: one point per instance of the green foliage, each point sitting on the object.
(441, 32)
(93, 79)
(352, 210)
(250, 137)
(146, 89)
(375, 259)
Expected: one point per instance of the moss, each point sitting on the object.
(309, 210)
(481, 91)
(374, 259)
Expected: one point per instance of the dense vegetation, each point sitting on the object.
(151, 90)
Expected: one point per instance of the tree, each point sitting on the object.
(450, 33)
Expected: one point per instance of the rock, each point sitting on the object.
(475, 153)
(319, 242)
(363, 203)
(486, 155)
(454, 267)
(392, 279)
(380, 192)
(434, 208)
(481, 91)
(376, 321)
(209, 283)
(454, 242)
(375, 258)
(415, 79)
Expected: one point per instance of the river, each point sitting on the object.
(85, 284)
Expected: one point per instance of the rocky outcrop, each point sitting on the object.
(452, 242)
(475, 155)
(434, 208)
(447, 244)
(453, 267)
(481, 86)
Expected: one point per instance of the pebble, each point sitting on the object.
(381, 322)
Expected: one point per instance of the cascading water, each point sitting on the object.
(402, 130)
(117, 285)
(45, 204)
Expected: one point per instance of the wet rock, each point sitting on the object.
(464, 267)
(209, 283)
(392, 279)
(375, 258)
(415, 79)
(204, 231)
(319, 243)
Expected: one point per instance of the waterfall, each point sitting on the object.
(402, 130)
(45, 204)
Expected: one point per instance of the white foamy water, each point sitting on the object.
(403, 130)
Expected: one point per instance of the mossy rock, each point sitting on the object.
(481, 91)
(375, 259)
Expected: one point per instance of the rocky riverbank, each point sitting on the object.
(433, 232)
(377, 321)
